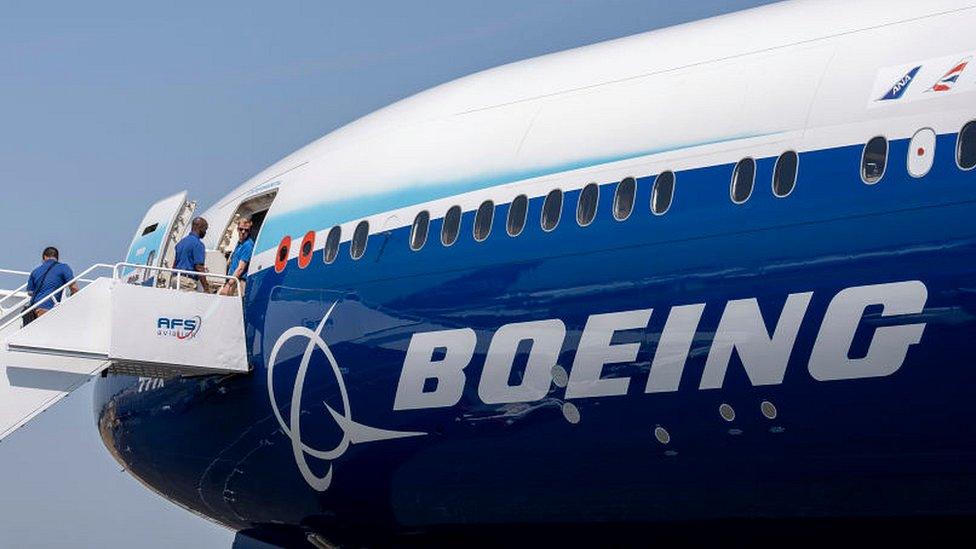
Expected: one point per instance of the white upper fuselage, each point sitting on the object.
(799, 75)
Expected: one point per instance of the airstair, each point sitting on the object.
(113, 325)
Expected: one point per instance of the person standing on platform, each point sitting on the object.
(191, 255)
(240, 259)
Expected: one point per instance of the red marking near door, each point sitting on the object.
(305, 252)
(281, 256)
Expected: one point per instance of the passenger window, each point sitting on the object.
(966, 147)
(784, 174)
(281, 260)
(451, 226)
(332, 244)
(586, 207)
(623, 199)
(743, 179)
(552, 208)
(483, 220)
(359, 237)
(305, 252)
(418, 233)
(663, 193)
(874, 159)
(516, 215)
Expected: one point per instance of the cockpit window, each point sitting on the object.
(150, 229)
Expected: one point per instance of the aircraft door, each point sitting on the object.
(154, 243)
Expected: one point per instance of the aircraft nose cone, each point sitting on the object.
(200, 442)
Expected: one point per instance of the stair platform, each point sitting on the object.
(121, 327)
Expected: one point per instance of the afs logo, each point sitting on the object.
(180, 328)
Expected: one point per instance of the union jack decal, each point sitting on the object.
(950, 78)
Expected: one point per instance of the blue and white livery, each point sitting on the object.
(718, 271)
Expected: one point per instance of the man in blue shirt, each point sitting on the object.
(191, 255)
(47, 278)
(240, 259)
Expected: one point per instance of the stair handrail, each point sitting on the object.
(23, 288)
(53, 295)
(117, 273)
(19, 293)
(14, 293)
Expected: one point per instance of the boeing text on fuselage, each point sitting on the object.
(443, 356)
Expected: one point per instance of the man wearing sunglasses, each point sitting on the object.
(239, 260)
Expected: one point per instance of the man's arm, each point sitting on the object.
(245, 259)
(68, 275)
(241, 269)
(200, 268)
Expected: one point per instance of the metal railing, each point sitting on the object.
(117, 274)
(116, 270)
(21, 291)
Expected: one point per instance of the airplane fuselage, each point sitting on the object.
(783, 356)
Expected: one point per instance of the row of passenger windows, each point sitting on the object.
(586, 208)
(552, 208)
(873, 164)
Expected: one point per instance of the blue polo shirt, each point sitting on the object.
(189, 253)
(242, 252)
(59, 275)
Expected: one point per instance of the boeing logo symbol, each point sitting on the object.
(352, 432)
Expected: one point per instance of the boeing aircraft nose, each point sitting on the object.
(201, 443)
(213, 446)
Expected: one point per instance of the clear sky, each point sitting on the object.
(107, 106)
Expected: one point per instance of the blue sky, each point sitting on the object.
(107, 106)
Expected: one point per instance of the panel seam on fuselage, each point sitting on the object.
(715, 60)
